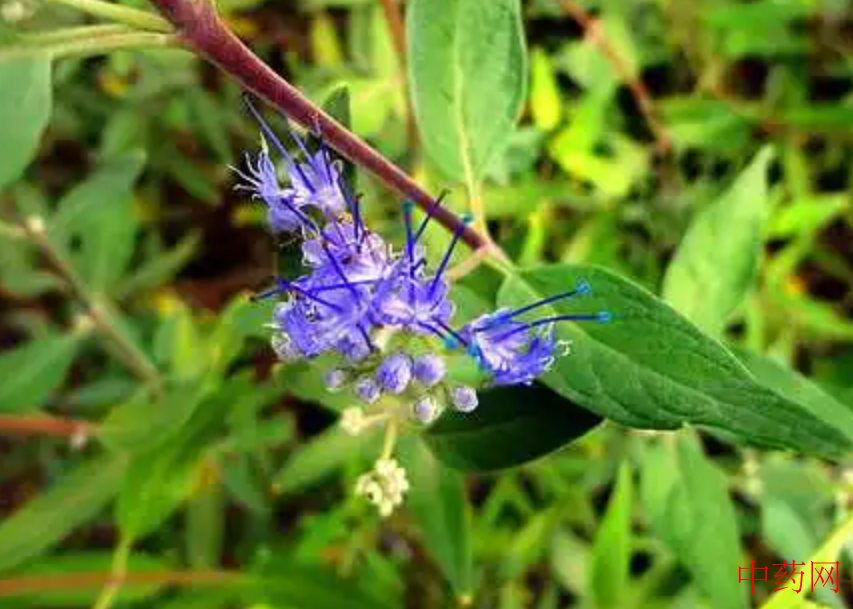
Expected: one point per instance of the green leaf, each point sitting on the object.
(25, 105)
(649, 367)
(99, 212)
(283, 582)
(33, 371)
(545, 99)
(611, 551)
(687, 502)
(511, 426)
(796, 387)
(73, 501)
(321, 457)
(467, 75)
(717, 262)
(437, 500)
(159, 269)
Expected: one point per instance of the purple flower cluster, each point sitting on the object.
(358, 296)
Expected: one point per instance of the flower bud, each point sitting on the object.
(395, 372)
(463, 398)
(429, 369)
(367, 389)
(352, 420)
(425, 410)
(335, 379)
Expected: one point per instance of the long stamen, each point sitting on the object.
(339, 286)
(340, 272)
(300, 214)
(429, 211)
(267, 130)
(288, 286)
(602, 316)
(448, 341)
(354, 207)
(451, 331)
(466, 220)
(583, 287)
(410, 242)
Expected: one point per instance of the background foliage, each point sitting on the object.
(690, 159)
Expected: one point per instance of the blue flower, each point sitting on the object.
(516, 352)
(395, 373)
(429, 369)
(260, 180)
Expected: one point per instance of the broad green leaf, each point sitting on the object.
(99, 213)
(511, 426)
(25, 105)
(438, 501)
(611, 551)
(85, 563)
(467, 75)
(687, 502)
(649, 367)
(33, 371)
(73, 501)
(799, 389)
(717, 262)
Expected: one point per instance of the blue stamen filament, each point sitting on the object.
(289, 286)
(429, 211)
(603, 316)
(410, 243)
(268, 132)
(466, 220)
(583, 287)
(451, 331)
(336, 265)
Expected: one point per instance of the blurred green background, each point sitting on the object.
(146, 429)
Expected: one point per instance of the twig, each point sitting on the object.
(199, 26)
(595, 33)
(45, 426)
(54, 583)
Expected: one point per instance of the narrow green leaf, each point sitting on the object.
(468, 75)
(611, 551)
(321, 457)
(33, 371)
(46, 520)
(205, 526)
(687, 502)
(511, 426)
(25, 105)
(99, 213)
(283, 582)
(717, 262)
(437, 500)
(649, 367)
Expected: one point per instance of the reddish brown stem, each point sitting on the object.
(47, 583)
(595, 33)
(44, 426)
(199, 27)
